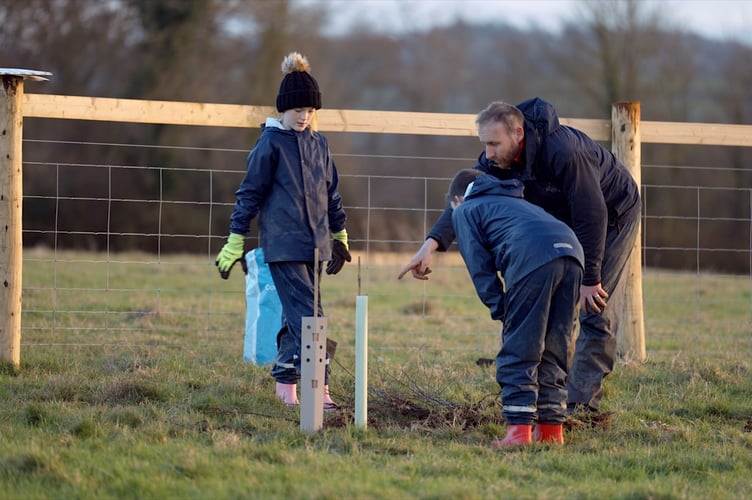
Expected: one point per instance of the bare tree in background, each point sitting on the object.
(734, 103)
(606, 53)
(262, 34)
(73, 39)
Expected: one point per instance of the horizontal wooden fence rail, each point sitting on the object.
(348, 120)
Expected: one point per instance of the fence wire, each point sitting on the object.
(122, 256)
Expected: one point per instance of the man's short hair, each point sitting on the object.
(461, 180)
(503, 112)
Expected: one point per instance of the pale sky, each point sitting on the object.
(718, 19)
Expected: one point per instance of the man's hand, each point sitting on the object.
(340, 254)
(230, 254)
(593, 298)
(420, 264)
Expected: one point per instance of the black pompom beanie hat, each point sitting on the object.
(298, 88)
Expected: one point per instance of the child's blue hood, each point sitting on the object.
(486, 184)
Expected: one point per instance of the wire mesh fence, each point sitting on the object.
(123, 256)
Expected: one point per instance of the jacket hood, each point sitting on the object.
(540, 115)
(486, 184)
(541, 120)
(273, 123)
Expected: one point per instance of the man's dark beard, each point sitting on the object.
(502, 173)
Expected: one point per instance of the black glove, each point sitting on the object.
(339, 256)
(243, 264)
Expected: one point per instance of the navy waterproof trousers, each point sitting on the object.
(595, 347)
(531, 366)
(295, 286)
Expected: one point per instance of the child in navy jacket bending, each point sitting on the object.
(541, 264)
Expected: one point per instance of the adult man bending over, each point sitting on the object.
(581, 183)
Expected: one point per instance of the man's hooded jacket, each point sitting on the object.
(570, 176)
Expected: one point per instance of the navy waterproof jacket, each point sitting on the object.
(291, 183)
(571, 176)
(498, 231)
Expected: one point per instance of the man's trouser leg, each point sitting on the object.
(595, 349)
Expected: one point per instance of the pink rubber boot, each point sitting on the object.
(287, 393)
(517, 435)
(329, 404)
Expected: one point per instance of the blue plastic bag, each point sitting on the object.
(263, 311)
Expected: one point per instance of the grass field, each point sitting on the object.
(132, 385)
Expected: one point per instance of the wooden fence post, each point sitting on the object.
(626, 146)
(11, 201)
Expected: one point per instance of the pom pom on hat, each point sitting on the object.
(298, 88)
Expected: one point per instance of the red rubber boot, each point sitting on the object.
(549, 433)
(517, 435)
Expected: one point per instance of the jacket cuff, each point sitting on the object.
(444, 243)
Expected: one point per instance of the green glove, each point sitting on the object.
(230, 254)
(340, 252)
(341, 236)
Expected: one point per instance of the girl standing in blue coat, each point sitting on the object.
(291, 183)
(541, 262)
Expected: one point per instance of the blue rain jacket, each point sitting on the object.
(291, 183)
(498, 231)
